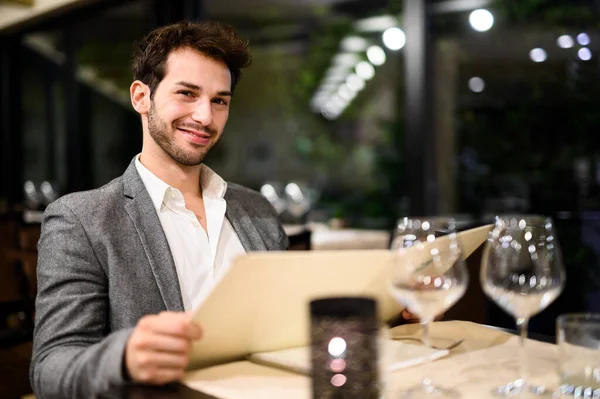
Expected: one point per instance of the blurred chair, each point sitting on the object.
(17, 293)
(300, 241)
(9, 288)
(18, 281)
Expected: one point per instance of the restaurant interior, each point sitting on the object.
(354, 116)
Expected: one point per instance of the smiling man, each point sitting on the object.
(121, 267)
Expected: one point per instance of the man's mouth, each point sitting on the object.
(194, 132)
(195, 136)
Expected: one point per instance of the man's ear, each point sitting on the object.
(140, 97)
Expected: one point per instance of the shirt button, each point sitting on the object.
(196, 224)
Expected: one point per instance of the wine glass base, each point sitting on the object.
(519, 391)
(430, 391)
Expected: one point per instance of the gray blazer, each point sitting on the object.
(104, 262)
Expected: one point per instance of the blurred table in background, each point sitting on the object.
(323, 237)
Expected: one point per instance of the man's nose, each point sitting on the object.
(203, 113)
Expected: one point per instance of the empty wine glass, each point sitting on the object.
(33, 197)
(428, 277)
(522, 272)
(271, 190)
(49, 192)
(299, 199)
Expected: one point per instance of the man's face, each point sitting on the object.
(190, 106)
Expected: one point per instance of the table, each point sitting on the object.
(326, 238)
(178, 391)
(175, 391)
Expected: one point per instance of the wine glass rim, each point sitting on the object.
(527, 217)
(421, 217)
(445, 224)
(430, 219)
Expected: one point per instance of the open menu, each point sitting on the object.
(261, 304)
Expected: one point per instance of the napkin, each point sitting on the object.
(394, 355)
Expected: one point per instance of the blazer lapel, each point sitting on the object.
(242, 224)
(156, 248)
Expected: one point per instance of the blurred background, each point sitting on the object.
(354, 113)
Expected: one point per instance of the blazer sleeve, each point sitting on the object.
(74, 356)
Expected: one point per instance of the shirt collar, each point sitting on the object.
(156, 187)
(213, 185)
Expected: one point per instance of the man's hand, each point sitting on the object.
(410, 317)
(158, 349)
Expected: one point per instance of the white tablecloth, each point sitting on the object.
(486, 359)
(325, 238)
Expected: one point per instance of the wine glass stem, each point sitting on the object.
(522, 323)
(427, 380)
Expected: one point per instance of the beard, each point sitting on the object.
(164, 136)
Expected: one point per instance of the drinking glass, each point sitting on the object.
(522, 272)
(345, 348)
(428, 277)
(578, 337)
(299, 199)
(271, 191)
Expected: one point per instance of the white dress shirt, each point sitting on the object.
(201, 257)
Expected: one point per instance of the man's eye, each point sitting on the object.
(220, 101)
(186, 93)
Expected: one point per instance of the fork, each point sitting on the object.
(409, 338)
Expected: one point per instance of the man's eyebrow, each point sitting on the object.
(188, 85)
(198, 88)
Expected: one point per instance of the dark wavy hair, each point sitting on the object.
(215, 40)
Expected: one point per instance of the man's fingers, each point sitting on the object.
(152, 341)
(195, 331)
(171, 323)
(162, 360)
(158, 350)
(407, 315)
(411, 317)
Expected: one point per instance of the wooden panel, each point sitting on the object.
(14, 370)
(9, 287)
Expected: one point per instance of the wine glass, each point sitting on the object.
(299, 199)
(428, 277)
(33, 197)
(522, 272)
(271, 190)
(49, 192)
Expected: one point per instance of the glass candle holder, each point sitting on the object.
(344, 348)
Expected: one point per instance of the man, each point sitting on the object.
(121, 267)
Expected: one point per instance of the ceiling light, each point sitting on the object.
(345, 59)
(476, 84)
(481, 20)
(538, 55)
(376, 55)
(365, 70)
(334, 80)
(375, 24)
(394, 38)
(354, 44)
(584, 54)
(565, 41)
(346, 93)
(583, 39)
(355, 82)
